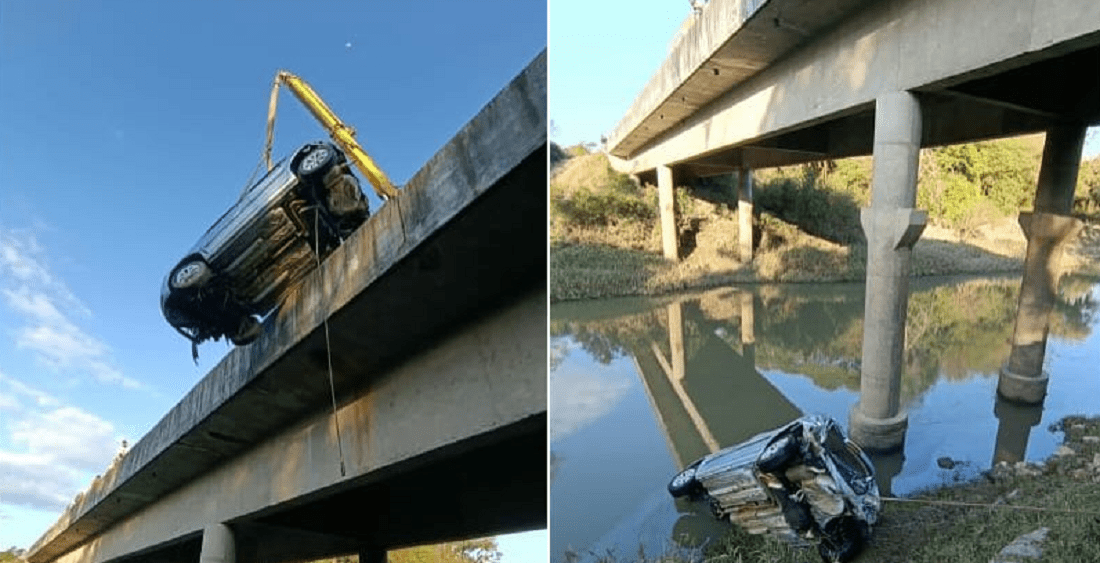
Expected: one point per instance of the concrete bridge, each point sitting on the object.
(436, 309)
(759, 83)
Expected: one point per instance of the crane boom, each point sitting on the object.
(341, 133)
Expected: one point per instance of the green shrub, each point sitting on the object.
(576, 150)
(1087, 196)
(807, 202)
(591, 208)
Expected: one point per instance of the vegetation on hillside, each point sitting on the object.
(11, 555)
(484, 550)
(605, 234)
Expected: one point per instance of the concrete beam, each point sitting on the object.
(730, 41)
(883, 47)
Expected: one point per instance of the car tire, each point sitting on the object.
(315, 162)
(345, 202)
(190, 274)
(248, 331)
(684, 483)
(778, 454)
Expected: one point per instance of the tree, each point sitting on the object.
(483, 550)
(1087, 196)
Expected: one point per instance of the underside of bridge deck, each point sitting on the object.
(993, 103)
(481, 487)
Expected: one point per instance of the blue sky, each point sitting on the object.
(598, 64)
(128, 128)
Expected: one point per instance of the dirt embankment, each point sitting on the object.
(605, 241)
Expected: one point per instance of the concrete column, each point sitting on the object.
(217, 545)
(666, 201)
(748, 327)
(888, 465)
(744, 212)
(892, 227)
(1048, 228)
(1015, 422)
(748, 318)
(676, 340)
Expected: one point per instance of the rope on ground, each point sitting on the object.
(990, 505)
(328, 343)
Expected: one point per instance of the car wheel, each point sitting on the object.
(778, 454)
(345, 201)
(315, 161)
(247, 332)
(190, 274)
(684, 483)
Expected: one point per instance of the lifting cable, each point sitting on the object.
(987, 505)
(328, 342)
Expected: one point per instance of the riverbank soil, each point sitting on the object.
(605, 241)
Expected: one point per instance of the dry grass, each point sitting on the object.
(623, 257)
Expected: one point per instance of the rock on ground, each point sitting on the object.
(1026, 548)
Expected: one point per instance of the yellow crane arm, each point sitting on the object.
(341, 133)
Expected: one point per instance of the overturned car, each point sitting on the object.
(805, 483)
(274, 235)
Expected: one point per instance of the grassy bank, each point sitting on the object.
(926, 528)
(605, 239)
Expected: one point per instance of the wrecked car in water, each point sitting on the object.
(805, 483)
(275, 233)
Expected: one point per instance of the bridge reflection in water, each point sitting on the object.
(721, 366)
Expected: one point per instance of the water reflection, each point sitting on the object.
(641, 387)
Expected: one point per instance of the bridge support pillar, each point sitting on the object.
(1014, 424)
(1047, 228)
(892, 226)
(666, 202)
(744, 212)
(748, 327)
(217, 545)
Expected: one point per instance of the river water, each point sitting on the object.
(639, 387)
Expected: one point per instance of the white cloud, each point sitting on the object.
(59, 447)
(17, 388)
(48, 449)
(63, 345)
(31, 303)
(578, 398)
(33, 482)
(15, 258)
(69, 437)
(45, 302)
